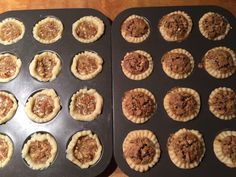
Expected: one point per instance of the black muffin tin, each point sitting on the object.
(159, 83)
(63, 126)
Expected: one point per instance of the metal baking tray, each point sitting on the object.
(62, 127)
(159, 83)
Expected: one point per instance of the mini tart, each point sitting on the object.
(88, 29)
(177, 63)
(43, 106)
(8, 106)
(84, 149)
(135, 29)
(138, 105)
(6, 150)
(175, 26)
(86, 65)
(39, 151)
(45, 66)
(182, 104)
(220, 62)
(141, 150)
(137, 65)
(186, 148)
(214, 26)
(86, 105)
(9, 67)
(48, 30)
(224, 147)
(222, 103)
(11, 31)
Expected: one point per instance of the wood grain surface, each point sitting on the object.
(110, 8)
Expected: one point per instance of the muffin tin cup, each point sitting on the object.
(63, 126)
(159, 84)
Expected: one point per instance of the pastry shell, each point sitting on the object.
(10, 150)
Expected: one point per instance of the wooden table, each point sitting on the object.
(110, 8)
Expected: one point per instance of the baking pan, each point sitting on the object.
(159, 83)
(62, 127)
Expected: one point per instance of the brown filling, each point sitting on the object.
(214, 25)
(7, 67)
(135, 27)
(187, 147)
(85, 104)
(85, 149)
(3, 150)
(175, 25)
(48, 30)
(86, 65)
(182, 103)
(40, 151)
(43, 105)
(224, 102)
(140, 151)
(220, 60)
(86, 30)
(135, 63)
(139, 104)
(177, 62)
(228, 145)
(10, 31)
(44, 66)
(6, 105)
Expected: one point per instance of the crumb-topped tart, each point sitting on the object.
(222, 103)
(43, 106)
(39, 151)
(11, 31)
(84, 149)
(182, 104)
(45, 66)
(9, 66)
(138, 105)
(6, 150)
(186, 148)
(8, 106)
(141, 150)
(88, 29)
(86, 105)
(175, 26)
(224, 147)
(137, 65)
(86, 65)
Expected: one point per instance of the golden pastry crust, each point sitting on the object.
(149, 99)
(70, 149)
(18, 31)
(175, 75)
(25, 153)
(218, 149)
(87, 70)
(54, 25)
(85, 112)
(11, 112)
(217, 105)
(205, 34)
(9, 144)
(183, 116)
(50, 93)
(130, 38)
(46, 60)
(207, 64)
(183, 163)
(175, 37)
(153, 145)
(14, 61)
(95, 22)
(145, 58)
